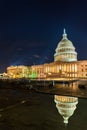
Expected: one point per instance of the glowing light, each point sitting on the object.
(34, 75)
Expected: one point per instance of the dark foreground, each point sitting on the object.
(76, 88)
(29, 110)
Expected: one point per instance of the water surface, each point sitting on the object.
(29, 110)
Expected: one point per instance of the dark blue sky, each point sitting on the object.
(31, 29)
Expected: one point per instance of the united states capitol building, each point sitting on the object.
(65, 65)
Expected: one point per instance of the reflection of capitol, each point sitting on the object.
(66, 106)
(65, 64)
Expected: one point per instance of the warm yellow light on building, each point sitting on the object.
(65, 64)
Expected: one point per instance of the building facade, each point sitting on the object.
(65, 65)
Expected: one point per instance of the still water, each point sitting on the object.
(29, 110)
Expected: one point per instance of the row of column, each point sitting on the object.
(68, 68)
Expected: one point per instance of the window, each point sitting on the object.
(82, 69)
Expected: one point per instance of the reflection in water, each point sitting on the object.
(66, 106)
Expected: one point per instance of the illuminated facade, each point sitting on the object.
(19, 71)
(65, 65)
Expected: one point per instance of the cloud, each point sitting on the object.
(19, 49)
(36, 56)
(46, 58)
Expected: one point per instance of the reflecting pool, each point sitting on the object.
(29, 110)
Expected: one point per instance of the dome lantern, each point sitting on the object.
(64, 34)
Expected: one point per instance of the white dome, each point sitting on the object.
(65, 50)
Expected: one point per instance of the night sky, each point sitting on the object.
(31, 29)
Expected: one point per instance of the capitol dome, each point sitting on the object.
(65, 50)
